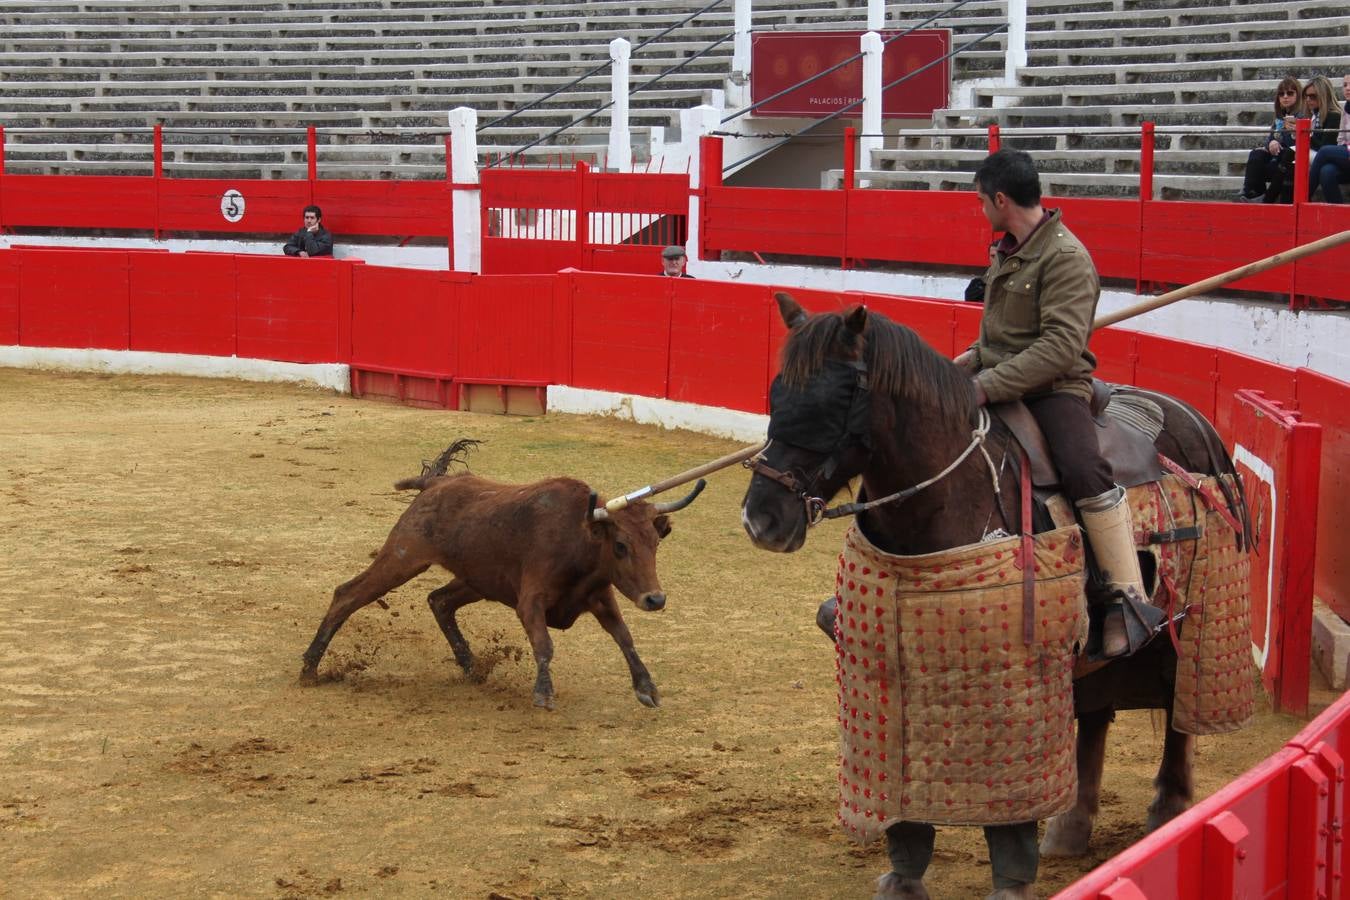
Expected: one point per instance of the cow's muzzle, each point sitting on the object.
(653, 601)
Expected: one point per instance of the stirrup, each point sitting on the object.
(1142, 622)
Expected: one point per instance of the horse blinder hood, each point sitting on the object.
(824, 413)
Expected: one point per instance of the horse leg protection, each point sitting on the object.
(1013, 854)
(910, 847)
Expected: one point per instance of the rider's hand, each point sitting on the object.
(980, 397)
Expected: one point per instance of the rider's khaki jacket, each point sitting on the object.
(1039, 302)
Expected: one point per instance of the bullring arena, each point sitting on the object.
(202, 438)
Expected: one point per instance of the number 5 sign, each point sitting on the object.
(1277, 460)
(232, 205)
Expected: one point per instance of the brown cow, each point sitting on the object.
(543, 549)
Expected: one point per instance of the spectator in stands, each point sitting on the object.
(1263, 162)
(311, 239)
(672, 262)
(1331, 163)
(1320, 106)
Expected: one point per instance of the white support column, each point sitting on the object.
(465, 201)
(1016, 56)
(740, 55)
(876, 15)
(695, 124)
(620, 141)
(872, 48)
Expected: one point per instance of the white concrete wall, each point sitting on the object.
(138, 362)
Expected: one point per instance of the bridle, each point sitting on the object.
(817, 508)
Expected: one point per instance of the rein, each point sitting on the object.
(816, 507)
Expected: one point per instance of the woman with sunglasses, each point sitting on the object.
(1263, 162)
(1319, 105)
(1331, 164)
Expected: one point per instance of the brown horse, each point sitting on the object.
(861, 396)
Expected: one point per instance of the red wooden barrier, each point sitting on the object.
(1323, 399)
(202, 204)
(78, 201)
(1180, 368)
(620, 333)
(294, 310)
(9, 299)
(74, 298)
(1276, 455)
(719, 347)
(182, 303)
(400, 208)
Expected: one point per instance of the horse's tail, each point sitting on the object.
(457, 452)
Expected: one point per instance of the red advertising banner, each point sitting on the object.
(779, 60)
(1276, 455)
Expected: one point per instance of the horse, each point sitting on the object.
(861, 396)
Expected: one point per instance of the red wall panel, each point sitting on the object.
(9, 297)
(946, 228)
(1184, 370)
(1324, 275)
(1238, 372)
(402, 319)
(511, 256)
(719, 347)
(1110, 229)
(649, 192)
(402, 208)
(1186, 242)
(934, 321)
(1117, 355)
(504, 328)
(1326, 401)
(774, 220)
(182, 302)
(78, 201)
(291, 309)
(193, 204)
(621, 333)
(73, 298)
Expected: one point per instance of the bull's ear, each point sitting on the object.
(602, 530)
(662, 525)
(856, 319)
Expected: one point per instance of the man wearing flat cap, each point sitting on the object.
(672, 262)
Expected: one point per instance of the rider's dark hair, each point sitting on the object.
(1011, 172)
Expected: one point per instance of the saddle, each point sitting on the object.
(1125, 436)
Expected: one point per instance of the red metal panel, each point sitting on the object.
(78, 201)
(934, 321)
(631, 259)
(504, 328)
(9, 297)
(1236, 372)
(638, 192)
(780, 60)
(403, 208)
(73, 298)
(1184, 370)
(183, 303)
(1276, 456)
(289, 308)
(1326, 275)
(403, 320)
(1110, 229)
(529, 188)
(719, 347)
(967, 325)
(1186, 242)
(774, 220)
(1326, 400)
(1117, 353)
(620, 333)
(513, 256)
(942, 227)
(195, 204)
(813, 301)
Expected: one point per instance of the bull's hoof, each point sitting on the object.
(893, 886)
(543, 701)
(648, 696)
(1067, 834)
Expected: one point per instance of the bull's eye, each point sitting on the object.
(620, 549)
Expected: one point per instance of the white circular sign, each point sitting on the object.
(232, 205)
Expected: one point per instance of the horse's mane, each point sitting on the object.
(899, 363)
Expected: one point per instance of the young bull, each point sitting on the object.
(543, 549)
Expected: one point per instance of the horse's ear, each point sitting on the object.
(856, 319)
(792, 313)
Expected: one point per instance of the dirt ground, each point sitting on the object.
(167, 547)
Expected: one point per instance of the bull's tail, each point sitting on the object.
(457, 452)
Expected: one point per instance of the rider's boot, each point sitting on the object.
(1129, 620)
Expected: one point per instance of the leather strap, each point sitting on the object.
(1028, 559)
(1213, 502)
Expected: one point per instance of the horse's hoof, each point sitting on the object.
(1160, 813)
(309, 677)
(1067, 834)
(543, 701)
(1021, 892)
(893, 886)
(648, 698)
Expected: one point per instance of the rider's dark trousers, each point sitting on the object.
(1067, 424)
(1013, 854)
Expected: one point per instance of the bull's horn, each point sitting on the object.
(677, 505)
(593, 514)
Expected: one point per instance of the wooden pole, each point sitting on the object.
(1199, 287)
(684, 477)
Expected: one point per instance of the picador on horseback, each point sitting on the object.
(1041, 292)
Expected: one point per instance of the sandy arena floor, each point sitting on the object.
(167, 547)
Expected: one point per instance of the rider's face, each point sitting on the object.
(994, 208)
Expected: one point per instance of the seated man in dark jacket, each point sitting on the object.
(312, 239)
